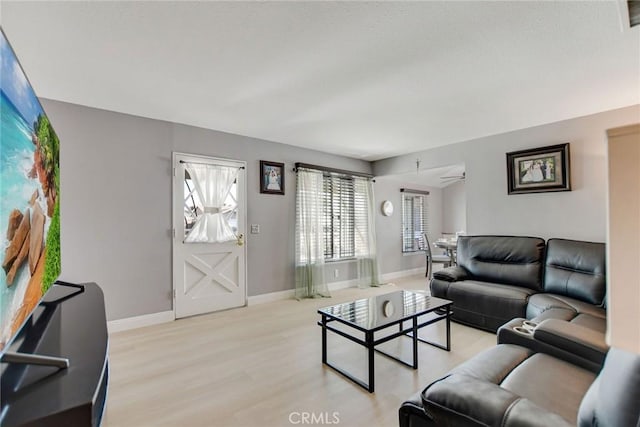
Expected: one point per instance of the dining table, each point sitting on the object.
(450, 247)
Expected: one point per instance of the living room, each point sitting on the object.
(268, 83)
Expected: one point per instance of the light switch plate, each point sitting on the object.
(255, 228)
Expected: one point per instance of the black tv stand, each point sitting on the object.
(70, 326)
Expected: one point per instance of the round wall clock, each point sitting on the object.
(387, 208)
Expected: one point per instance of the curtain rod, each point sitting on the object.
(331, 170)
(208, 164)
(407, 190)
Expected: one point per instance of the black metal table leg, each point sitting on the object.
(448, 328)
(447, 318)
(324, 339)
(371, 350)
(415, 342)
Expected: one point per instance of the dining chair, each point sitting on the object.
(440, 259)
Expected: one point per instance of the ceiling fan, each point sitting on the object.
(452, 178)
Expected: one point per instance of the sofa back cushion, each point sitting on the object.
(503, 259)
(575, 269)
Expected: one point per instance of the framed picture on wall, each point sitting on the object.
(539, 170)
(271, 177)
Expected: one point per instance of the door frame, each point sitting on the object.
(175, 192)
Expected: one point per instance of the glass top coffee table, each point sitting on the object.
(370, 315)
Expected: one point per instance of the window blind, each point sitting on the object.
(339, 217)
(344, 211)
(414, 221)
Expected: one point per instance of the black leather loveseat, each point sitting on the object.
(499, 278)
(510, 385)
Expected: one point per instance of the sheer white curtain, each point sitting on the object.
(365, 233)
(310, 281)
(212, 184)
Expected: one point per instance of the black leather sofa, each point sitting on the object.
(499, 278)
(556, 373)
(511, 386)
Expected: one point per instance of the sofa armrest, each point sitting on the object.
(411, 413)
(463, 400)
(584, 342)
(451, 274)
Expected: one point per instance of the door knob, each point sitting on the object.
(240, 239)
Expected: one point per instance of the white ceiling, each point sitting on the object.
(367, 80)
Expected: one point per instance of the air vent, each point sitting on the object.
(634, 12)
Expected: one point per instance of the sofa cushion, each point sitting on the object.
(552, 313)
(494, 364)
(595, 323)
(508, 385)
(575, 269)
(526, 413)
(487, 305)
(560, 307)
(550, 383)
(503, 259)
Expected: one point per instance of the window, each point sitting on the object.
(338, 198)
(193, 206)
(414, 219)
(345, 208)
(334, 215)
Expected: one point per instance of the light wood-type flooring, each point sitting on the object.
(261, 366)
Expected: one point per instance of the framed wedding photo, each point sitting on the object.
(271, 177)
(539, 170)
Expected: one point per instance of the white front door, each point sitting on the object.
(209, 205)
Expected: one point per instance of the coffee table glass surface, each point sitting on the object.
(379, 311)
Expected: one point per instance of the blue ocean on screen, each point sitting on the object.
(16, 160)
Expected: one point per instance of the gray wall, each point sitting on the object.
(116, 198)
(454, 208)
(116, 204)
(579, 214)
(115, 189)
(389, 228)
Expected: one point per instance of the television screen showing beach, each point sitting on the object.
(29, 197)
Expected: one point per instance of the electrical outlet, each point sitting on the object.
(255, 228)
(336, 273)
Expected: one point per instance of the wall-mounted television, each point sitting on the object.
(29, 198)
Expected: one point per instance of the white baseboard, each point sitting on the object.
(168, 316)
(290, 293)
(384, 278)
(333, 286)
(270, 297)
(344, 284)
(140, 321)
